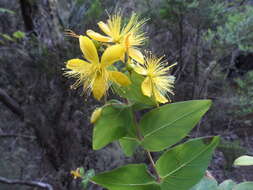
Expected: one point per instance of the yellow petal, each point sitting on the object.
(88, 48)
(139, 69)
(104, 27)
(119, 78)
(97, 36)
(77, 65)
(123, 57)
(76, 173)
(99, 87)
(146, 87)
(112, 54)
(159, 97)
(136, 55)
(96, 114)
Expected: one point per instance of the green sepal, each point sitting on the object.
(81, 171)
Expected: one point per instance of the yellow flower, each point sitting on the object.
(94, 74)
(129, 35)
(157, 82)
(76, 173)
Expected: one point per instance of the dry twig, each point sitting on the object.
(24, 182)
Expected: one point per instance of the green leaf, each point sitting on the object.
(3, 10)
(111, 125)
(206, 184)
(128, 145)
(90, 173)
(168, 124)
(183, 166)
(1, 42)
(133, 92)
(129, 177)
(18, 35)
(7, 37)
(227, 185)
(244, 161)
(86, 178)
(85, 182)
(244, 186)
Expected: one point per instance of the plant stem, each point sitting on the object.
(158, 178)
(137, 129)
(140, 137)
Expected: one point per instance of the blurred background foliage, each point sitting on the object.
(44, 126)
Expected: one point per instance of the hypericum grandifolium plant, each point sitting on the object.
(114, 61)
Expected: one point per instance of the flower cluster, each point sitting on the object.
(120, 42)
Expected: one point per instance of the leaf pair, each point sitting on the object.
(179, 168)
(161, 127)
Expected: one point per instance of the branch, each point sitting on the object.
(208, 71)
(28, 183)
(11, 103)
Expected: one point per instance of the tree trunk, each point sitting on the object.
(36, 15)
(28, 9)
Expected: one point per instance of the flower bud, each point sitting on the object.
(95, 115)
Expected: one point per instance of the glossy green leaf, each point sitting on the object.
(206, 183)
(183, 166)
(244, 161)
(112, 125)
(129, 177)
(227, 185)
(244, 186)
(128, 145)
(168, 124)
